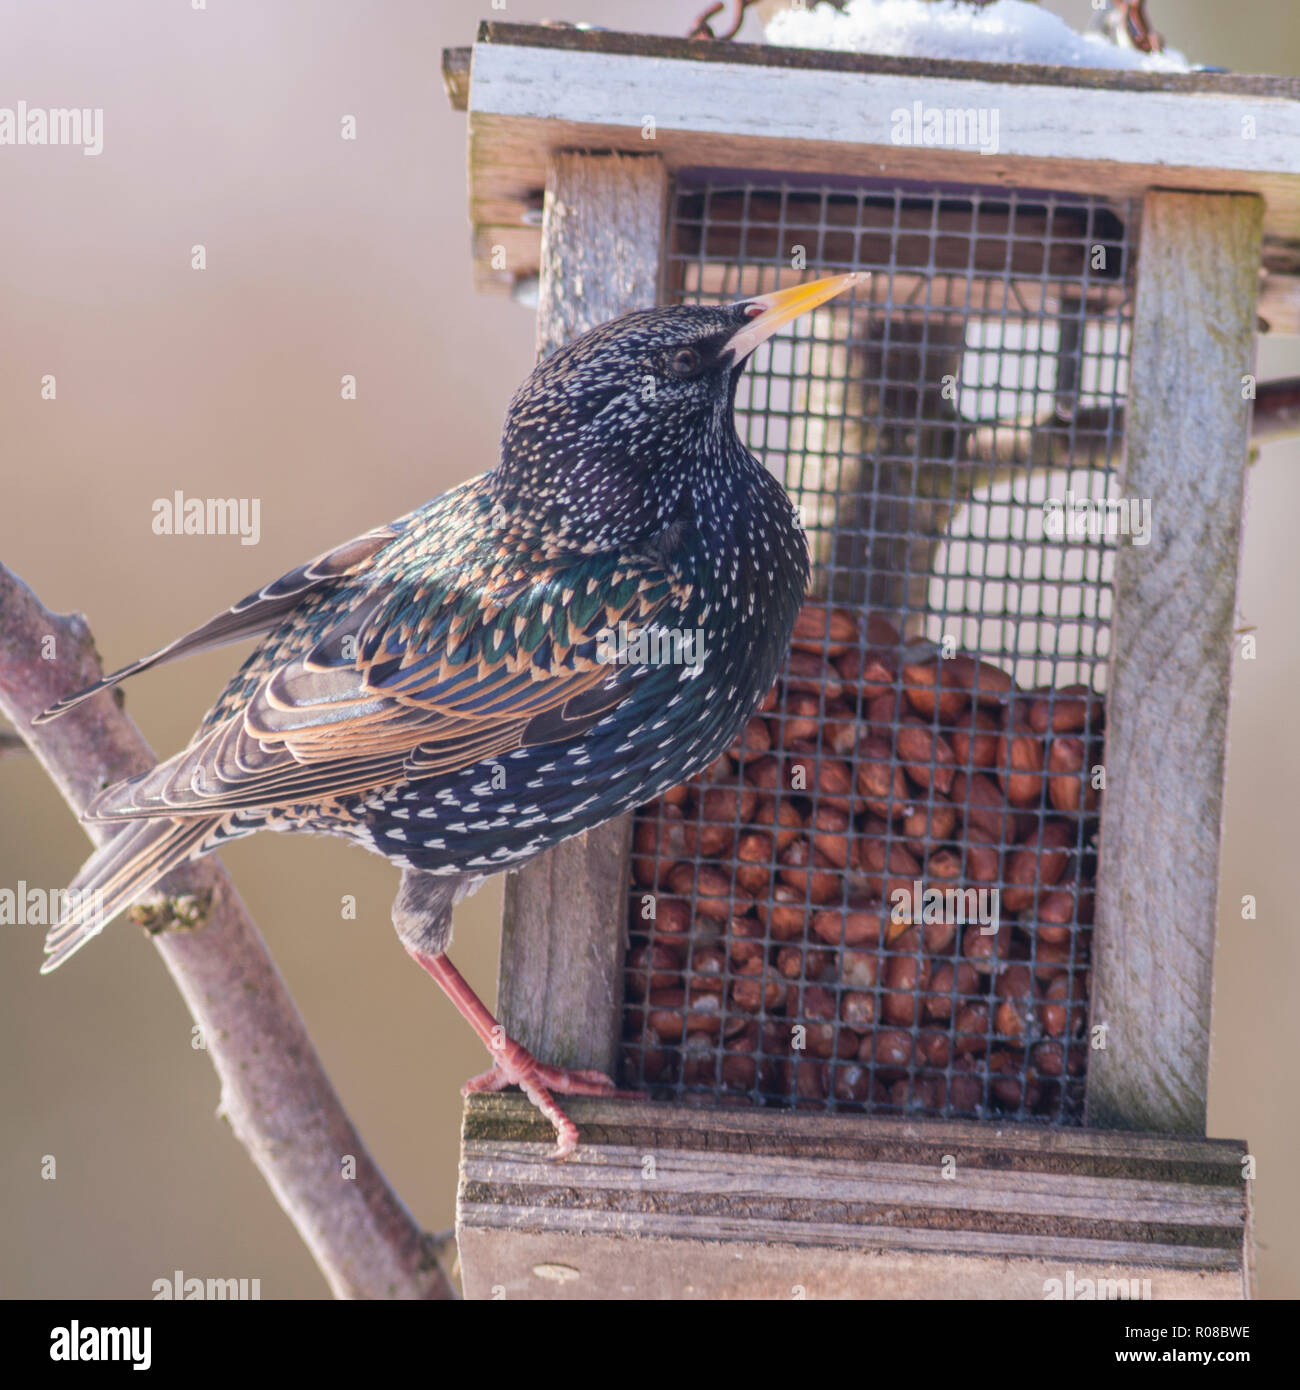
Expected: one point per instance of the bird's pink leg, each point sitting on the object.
(514, 1064)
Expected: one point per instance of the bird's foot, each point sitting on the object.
(516, 1066)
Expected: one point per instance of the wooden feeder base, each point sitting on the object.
(673, 1202)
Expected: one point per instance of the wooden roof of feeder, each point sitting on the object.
(533, 90)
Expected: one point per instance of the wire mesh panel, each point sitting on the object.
(880, 899)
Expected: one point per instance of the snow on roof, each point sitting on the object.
(1007, 31)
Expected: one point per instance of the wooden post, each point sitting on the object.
(564, 927)
(1171, 661)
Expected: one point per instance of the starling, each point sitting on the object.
(467, 686)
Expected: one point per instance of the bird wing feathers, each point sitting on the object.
(252, 616)
(416, 685)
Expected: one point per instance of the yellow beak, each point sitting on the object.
(767, 312)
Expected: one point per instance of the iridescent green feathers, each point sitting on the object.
(437, 650)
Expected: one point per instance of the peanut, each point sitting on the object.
(721, 809)
(714, 894)
(1055, 1014)
(754, 861)
(1020, 761)
(1070, 710)
(773, 812)
(840, 728)
(1039, 861)
(1068, 786)
(811, 772)
(903, 977)
(763, 773)
(808, 672)
(927, 756)
(651, 967)
(885, 870)
(948, 981)
(850, 926)
(755, 739)
(783, 913)
(708, 965)
(868, 673)
(669, 1014)
(975, 740)
(671, 918)
(981, 856)
(745, 940)
(758, 989)
(1013, 989)
(890, 1048)
(858, 969)
(988, 952)
(858, 1010)
(883, 788)
(810, 873)
(797, 720)
(850, 1081)
(970, 1028)
(795, 963)
(822, 630)
(979, 802)
(931, 691)
(657, 844)
(930, 823)
(832, 836)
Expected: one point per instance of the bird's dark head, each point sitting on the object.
(612, 433)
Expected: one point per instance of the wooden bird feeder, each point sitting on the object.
(1071, 303)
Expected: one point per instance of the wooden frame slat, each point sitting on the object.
(1187, 421)
(564, 924)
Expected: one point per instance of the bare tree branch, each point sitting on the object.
(274, 1091)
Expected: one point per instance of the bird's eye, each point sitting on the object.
(684, 362)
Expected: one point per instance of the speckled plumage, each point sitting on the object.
(434, 690)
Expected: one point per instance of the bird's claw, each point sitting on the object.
(516, 1066)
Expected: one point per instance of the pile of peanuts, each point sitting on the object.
(772, 959)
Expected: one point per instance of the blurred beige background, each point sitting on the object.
(327, 257)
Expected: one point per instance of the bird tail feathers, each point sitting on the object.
(116, 875)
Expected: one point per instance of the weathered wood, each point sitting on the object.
(1171, 662)
(673, 1202)
(564, 928)
(602, 241)
(507, 153)
(753, 107)
(455, 76)
(563, 937)
(709, 56)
